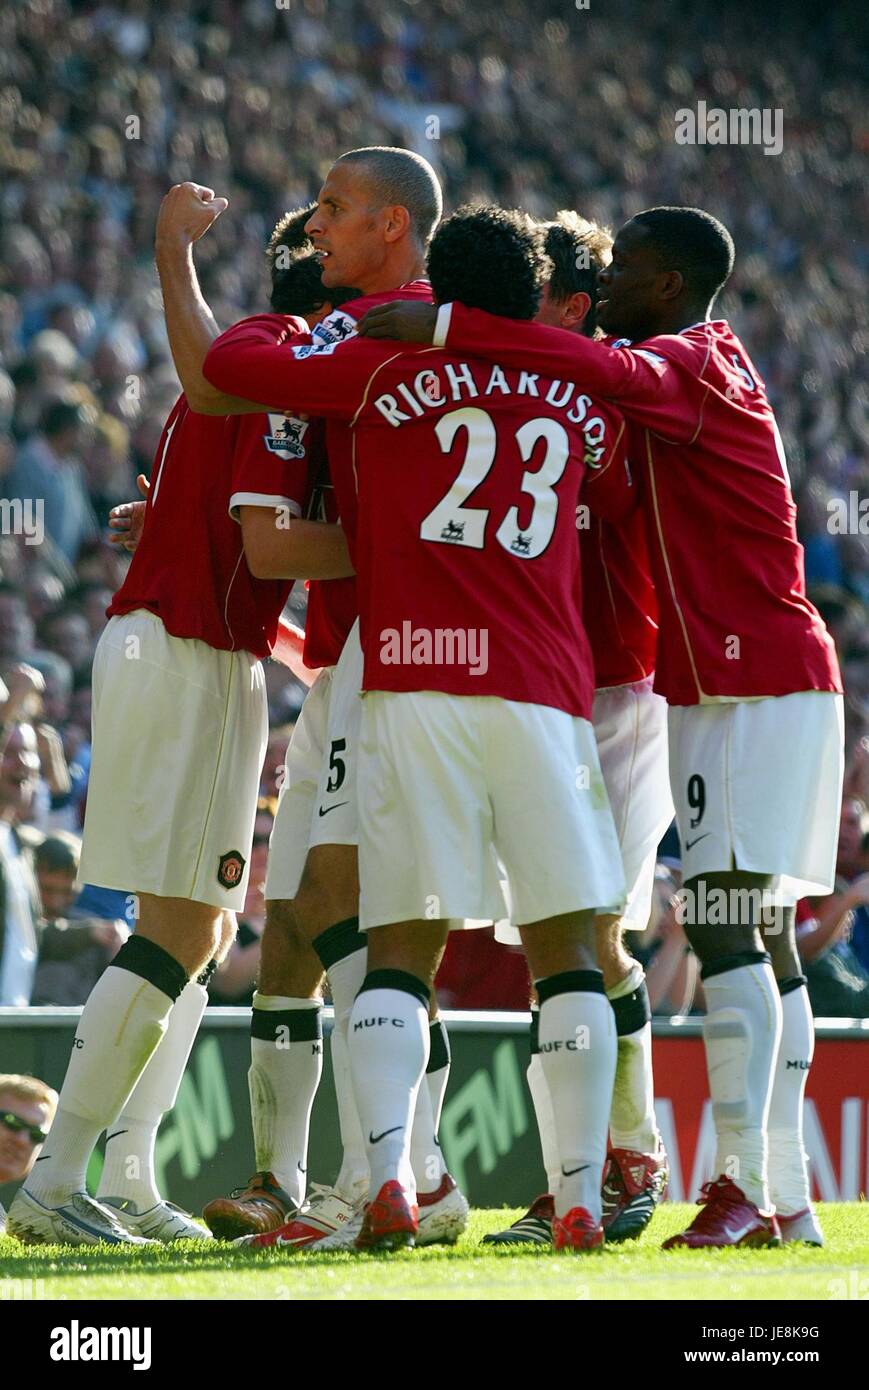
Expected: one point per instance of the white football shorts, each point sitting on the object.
(447, 782)
(630, 727)
(757, 786)
(317, 802)
(179, 737)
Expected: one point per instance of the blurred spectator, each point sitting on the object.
(73, 953)
(832, 931)
(66, 630)
(48, 469)
(27, 1108)
(19, 900)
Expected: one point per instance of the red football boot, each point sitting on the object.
(633, 1185)
(726, 1217)
(577, 1230)
(390, 1222)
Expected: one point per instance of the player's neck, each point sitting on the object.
(398, 270)
(682, 316)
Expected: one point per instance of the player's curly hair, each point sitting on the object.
(490, 258)
(297, 285)
(578, 249)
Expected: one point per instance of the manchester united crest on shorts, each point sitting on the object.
(230, 868)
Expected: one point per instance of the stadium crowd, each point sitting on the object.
(103, 106)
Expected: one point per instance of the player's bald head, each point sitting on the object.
(400, 178)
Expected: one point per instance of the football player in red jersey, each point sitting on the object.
(745, 663)
(630, 724)
(372, 221)
(173, 795)
(469, 742)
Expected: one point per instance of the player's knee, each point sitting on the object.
(228, 930)
(280, 918)
(711, 942)
(329, 890)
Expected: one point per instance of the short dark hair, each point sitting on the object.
(490, 258)
(297, 284)
(578, 249)
(693, 242)
(403, 179)
(60, 415)
(59, 853)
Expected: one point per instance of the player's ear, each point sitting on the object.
(397, 223)
(672, 283)
(575, 310)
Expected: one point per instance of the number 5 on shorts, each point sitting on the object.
(337, 766)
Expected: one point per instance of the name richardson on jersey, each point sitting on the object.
(433, 388)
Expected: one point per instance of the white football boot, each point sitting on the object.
(78, 1221)
(164, 1222)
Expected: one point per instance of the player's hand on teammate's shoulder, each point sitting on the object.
(405, 319)
(128, 519)
(187, 212)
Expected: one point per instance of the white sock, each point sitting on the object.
(632, 1118)
(352, 1180)
(545, 1122)
(426, 1158)
(128, 1170)
(789, 1187)
(122, 1022)
(741, 1032)
(388, 1044)
(436, 1079)
(345, 981)
(578, 1052)
(286, 1062)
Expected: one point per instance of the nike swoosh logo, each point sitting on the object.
(375, 1139)
(117, 1134)
(569, 1172)
(689, 844)
(301, 1169)
(324, 811)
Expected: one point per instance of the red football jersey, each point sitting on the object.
(468, 478)
(618, 597)
(332, 606)
(189, 566)
(735, 622)
(332, 603)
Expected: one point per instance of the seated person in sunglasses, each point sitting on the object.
(27, 1109)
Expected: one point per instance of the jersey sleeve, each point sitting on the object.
(269, 463)
(657, 384)
(264, 359)
(609, 488)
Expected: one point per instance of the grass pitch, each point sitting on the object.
(469, 1270)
